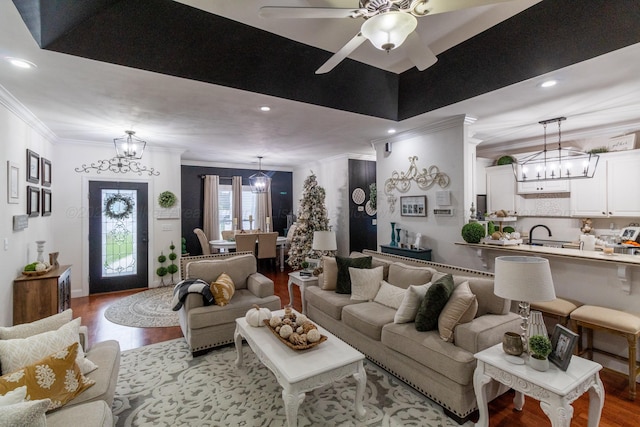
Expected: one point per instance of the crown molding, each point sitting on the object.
(449, 123)
(23, 113)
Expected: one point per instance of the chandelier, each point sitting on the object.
(555, 164)
(260, 182)
(128, 146)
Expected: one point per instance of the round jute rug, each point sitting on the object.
(147, 309)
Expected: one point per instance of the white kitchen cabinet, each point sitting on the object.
(613, 190)
(540, 187)
(501, 189)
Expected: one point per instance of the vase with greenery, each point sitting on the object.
(539, 350)
(162, 270)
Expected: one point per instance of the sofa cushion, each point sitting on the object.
(403, 275)
(91, 414)
(485, 331)
(434, 301)
(237, 267)
(213, 315)
(329, 273)
(28, 413)
(482, 288)
(431, 351)
(106, 354)
(461, 308)
(56, 377)
(389, 295)
(365, 283)
(47, 324)
(222, 289)
(343, 285)
(329, 302)
(411, 303)
(368, 318)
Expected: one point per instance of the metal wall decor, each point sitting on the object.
(424, 179)
(117, 165)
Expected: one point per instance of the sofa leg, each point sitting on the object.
(455, 417)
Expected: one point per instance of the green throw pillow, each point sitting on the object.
(343, 284)
(433, 303)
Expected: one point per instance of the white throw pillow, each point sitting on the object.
(461, 307)
(365, 283)
(14, 396)
(20, 352)
(411, 303)
(389, 295)
(25, 330)
(28, 413)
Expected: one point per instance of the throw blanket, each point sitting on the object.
(190, 286)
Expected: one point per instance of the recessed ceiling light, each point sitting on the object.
(265, 108)
(20, 63)
(390, 131)
(549, 83)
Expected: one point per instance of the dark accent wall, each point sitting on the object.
(362, 232)
(192, 196)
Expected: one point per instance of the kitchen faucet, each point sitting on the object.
(533, 228)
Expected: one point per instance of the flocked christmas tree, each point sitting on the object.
(312, 216)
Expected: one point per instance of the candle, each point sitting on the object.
(250, 218)
(268, 220)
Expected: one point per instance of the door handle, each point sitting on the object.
(144, 238)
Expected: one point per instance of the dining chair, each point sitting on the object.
(246, 242)
(267, 247)
(204, 241)
(228, 234)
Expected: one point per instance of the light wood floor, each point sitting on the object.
(618, 410)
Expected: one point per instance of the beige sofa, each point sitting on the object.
(441, 370)
(93, 406)
(205, 327)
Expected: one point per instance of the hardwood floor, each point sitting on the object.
(618, 411)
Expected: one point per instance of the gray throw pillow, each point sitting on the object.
(433, 303)
(343, 284)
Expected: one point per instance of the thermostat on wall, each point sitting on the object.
(443, 198)
(443, 212)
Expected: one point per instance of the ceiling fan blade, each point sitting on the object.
(441, 6)
(344, 52)
(305, 12)
(418, 52)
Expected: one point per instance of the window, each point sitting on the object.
(225, 208)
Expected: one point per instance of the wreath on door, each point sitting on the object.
(118, 206)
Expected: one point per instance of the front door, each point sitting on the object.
(118, 236)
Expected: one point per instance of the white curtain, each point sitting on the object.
(236, 203)
(264, 211)
(211, 219)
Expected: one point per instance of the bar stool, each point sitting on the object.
(559, 308)
(614, 322)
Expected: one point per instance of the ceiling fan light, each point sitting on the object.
(389, 30)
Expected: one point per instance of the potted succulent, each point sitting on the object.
(539, 349)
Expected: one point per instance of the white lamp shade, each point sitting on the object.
(324, 241)
(523, 278)
(389, 30)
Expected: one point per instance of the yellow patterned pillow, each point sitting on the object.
(223, 289)
(56, 377)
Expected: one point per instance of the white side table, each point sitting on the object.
(555, 389)
(302, 282)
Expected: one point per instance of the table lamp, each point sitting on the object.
(324, 241)
(524, 279)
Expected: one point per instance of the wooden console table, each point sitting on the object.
(36, 297)
(423, 254)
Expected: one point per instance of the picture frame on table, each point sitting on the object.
(563, 342)
(313, 263)
(33, 200)
(413, 206)
(46, 172)
(46, 202)
(13, 182)
(33, 167)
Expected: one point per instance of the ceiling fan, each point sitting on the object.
(388, 24)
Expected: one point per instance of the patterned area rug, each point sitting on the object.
(147, 309)
(163, 385)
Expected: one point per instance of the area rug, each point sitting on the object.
(147, 309)
(163, 385)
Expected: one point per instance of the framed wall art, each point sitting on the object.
(413, 206)
(33, 167)
(33, 200)
(13, 179)
(46, 202)
(46, 172)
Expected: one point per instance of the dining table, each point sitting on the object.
(227, 245)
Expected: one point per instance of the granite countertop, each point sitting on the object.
(561, 252)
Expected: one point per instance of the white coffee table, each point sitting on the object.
(555, 389)
(302, 282)
(298, 372)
